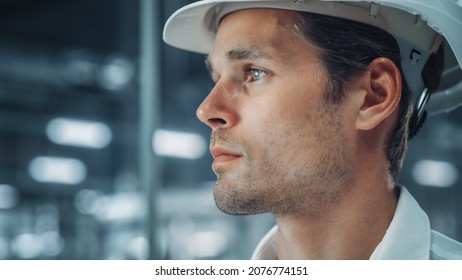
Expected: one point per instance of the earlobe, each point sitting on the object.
(382, 95)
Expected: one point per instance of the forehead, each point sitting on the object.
(269, 31)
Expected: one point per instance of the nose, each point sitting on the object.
(218, 108)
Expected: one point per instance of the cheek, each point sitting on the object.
(279, 135)
(282, 121)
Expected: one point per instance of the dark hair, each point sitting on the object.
(346, 50)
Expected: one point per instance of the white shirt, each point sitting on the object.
(408, 237)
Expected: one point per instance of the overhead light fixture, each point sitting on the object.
(93, 202)
(27, 246)
(116, 74)
(179, 144)
(138, 248)
(58, 170)
(123, 206)
(73, 132)
(435, 173)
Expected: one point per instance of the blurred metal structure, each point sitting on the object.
(149, 168)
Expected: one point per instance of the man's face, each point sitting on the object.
(277, 146)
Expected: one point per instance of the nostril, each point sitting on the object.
(217, 121)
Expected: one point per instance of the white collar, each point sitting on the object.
(407, 237)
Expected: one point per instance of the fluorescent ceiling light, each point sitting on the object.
(179, 144)
(124, 206)
(435, 173)
(27, 246)
(92, 202)
(116, 74)
(72, 132)
(57, 170)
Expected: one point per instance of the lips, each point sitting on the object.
(222, 155)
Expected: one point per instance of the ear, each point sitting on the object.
(382, 84)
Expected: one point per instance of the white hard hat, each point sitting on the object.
(419, 27)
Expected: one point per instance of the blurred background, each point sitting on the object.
(102, 157)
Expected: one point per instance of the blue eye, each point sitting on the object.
(258, 74)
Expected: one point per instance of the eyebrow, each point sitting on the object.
(252, 53)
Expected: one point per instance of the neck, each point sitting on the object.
(347, 229)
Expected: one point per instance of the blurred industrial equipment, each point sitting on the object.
(91, 167)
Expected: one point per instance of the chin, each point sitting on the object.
(233, 200)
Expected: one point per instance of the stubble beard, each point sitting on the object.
(275, 185)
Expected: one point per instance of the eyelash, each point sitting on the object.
(249, 75)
